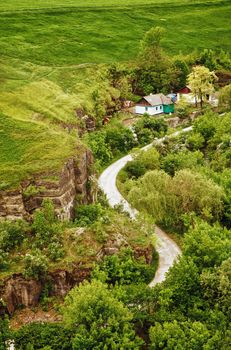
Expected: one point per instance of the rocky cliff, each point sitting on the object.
(16, 291)
(66, 185)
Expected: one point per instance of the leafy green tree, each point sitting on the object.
(225, 97)
(201, 82)
(182, 72)
(206, 126)
(150, 194)
(216, 285)
(88, 214)
(98, 319)
(207, 245)
(195, 141)
(12, 234)
(100, 149)
(155, 71)
(167, 199)
(43, 335)
(215, 60)
(151, 51)
(175, 161)
(119, 138)
(179, 335)
(123, 268)
(5, 333)
(197, 194)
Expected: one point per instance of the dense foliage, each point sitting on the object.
(98, 320)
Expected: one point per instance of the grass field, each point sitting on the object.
(48, 55)
(51, 33)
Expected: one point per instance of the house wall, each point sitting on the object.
(187, 97)
(149, 109)
(169, 108)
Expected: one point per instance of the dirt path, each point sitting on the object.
(167, 249)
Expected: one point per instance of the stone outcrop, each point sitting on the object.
(16, 291)
(70, 182)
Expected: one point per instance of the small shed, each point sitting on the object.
(155, 104)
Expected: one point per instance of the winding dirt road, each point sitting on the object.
(167, 249)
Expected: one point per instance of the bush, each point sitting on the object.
(176, 161)
(12, 234)
(135, 169)
(87, 214)
(123, 269)
(55, 251)
(195, 141)
(36, 264)
(3, 259)
(148, 128)
(40, 335)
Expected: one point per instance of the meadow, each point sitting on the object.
(53, 55)
(75, 32)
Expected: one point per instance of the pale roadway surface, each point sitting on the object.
(167, 249)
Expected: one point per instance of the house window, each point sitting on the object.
(160, 107)
(156, 108)
(146, 108)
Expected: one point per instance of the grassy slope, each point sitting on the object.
(43, 75)
(105, 34)
(28, 147)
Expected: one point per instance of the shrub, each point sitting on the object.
(55, 251)
(12, 234)
(36, 264)
(40, 335)
(195, 141)
(135, 169)
(3, 259)
(88, 214)
(123, 268)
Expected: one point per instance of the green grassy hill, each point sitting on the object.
(73, 32)
(48, 55)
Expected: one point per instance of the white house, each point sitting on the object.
(188, 97)
(154, 104)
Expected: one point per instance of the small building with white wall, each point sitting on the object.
(155, 104)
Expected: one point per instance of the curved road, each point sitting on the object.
(167, 249)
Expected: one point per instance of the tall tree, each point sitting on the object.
(150, 45)
(201, 82)
(98, 319)
(225, 97)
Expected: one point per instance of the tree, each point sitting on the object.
(155, 72)
(179, 335)
(207, 245)
(98, 319)
(151, 51)
(5, 333)
(42, 335)
(201, 82)
(225, 97)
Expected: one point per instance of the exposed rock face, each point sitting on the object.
(17, 291)
(72, 181)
